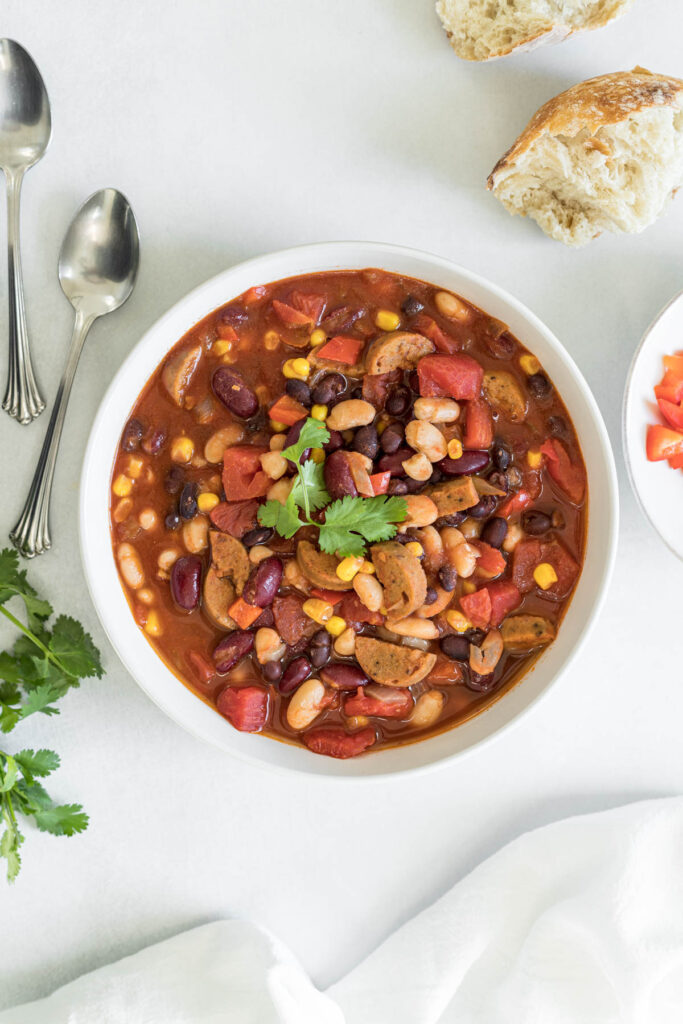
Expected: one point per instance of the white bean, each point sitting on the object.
(471, 528)
(268, 645)
(348, 415)
(421, 511)
(452, 307)
(418, 467)
(294, 576)
(436, 410)
(305, 704)
(423, 629)
(274, 464)
(427, 709)
(196, 534)
(259, 552)
(167, 558)
(222, 439)
(280, 490)
(148, 519)
(130, 566)
(345, 644)
(514, 535)
(428, 439)
(464, 560)
(369, 590)
(278, 442)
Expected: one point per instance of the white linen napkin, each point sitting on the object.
(580, 922)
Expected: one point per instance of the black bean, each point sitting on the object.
(414, 485)
(366, 441)
(294, 674)
(154, 441)
(187, 503)
(411, 306)
(132, 435)
(299, 391)
(327, 389)
(501, 456)
(469, 462)
(539, 386)
(357, 393)
(484, 507)
(174, 480)
(436, 477)
(261, 535)
(172, 521)
(398, 401)
(271, 671)
(476, 636)
(455, 519)
(499, 480)
(456, 647)
(397, 487)
(557, 426)
(448, 578)
(536, 523)
(495, 532)
(234, 392)
(431, 595)
(480, 684)
(392, 438)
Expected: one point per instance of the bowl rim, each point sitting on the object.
(327, 257)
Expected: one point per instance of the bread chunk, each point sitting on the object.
(605, 155)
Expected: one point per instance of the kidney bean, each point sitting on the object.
(335, 442)
(469, 462)
(502, 346)
(154, 441)
(456, 647)
(261, 535)
(366, 441)
(476, 636)
(172, 521)
(501, 457)
(343, 677)
(233, 315)
(397, 486)
(187, 503)
(294, 674)
(132, 435)
(414, 485)
(557, 426)
(299, 391)
(495, 532)
(539, 386)
(437, 476)
(232, 390)
(414, 381)
(480, 684)
(328, 388)
(448, 578)
(174, 480)
(264, 582)
(536, 523)
(392, 438)
(394, 463)
(271, 671)
(398, 401)
(411, 306)
(232, 649)
(321, 645)
(484, 507)
(186, 577)
(338, 478)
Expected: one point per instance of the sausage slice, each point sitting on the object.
(230, 559)
(402, 576)
(399, 350)
(319, 567)
(454, 495)
(392, 665)
(523, 632)
(178, 372)
(219, 595)
(505, 395)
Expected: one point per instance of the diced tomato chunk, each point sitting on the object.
(446, 672)
(226, 332)
(491, 561)
(291, 316)
(530, 553)
(234, 517)
(204, 669)
(245, 707)
(336, 743)
(341, 350)
(290, 619)
(376, 386)
(456, 376)
(569, 476)
(254, 294)
(443, 342)
(663, 443)
(242, 474)
(380, 702)
(310, 304)
(380, 482)
(477, 608)
(672, 413)
(288, 411)
(527, 555)
(353, 611)
(331, 596)
(478, 426)
(505, 597)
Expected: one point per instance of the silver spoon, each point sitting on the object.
(98, 265)
(25, 128)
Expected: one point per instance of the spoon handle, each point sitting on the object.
(22, 397)
(31, 535)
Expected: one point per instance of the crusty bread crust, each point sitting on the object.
(594, 104)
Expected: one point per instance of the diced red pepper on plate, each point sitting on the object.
(663, 443)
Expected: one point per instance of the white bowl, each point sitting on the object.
(658, 488)
(138, 655)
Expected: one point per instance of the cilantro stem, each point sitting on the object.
(34, 639)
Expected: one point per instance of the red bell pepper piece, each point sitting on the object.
(331, 596)
(505, 598)
(291, 316)
(491, 561)
(663, 443)
(380, 482)
(287, 410)
(443, 342)
(672, 413)
(311, 305)
(341, 349)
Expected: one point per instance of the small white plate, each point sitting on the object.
(658, 488)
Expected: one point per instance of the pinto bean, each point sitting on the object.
(233, 391)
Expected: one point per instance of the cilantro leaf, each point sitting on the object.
(62, 820)
(310, 478)
(269, 513)
(10, 842)
(314, 434)
(350, 523)
(13, 582)
(284, 518)
(74, 649)
(36, 763)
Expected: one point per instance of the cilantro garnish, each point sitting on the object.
(42, 666)
(349, 524)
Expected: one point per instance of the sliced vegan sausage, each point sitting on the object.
(399, 350)
(402, 576)
(392, 665)
(505, 395)
(230, 559)
(219, 595)
(319, 567)
(454, 495)
(523, 632)
(178, 372)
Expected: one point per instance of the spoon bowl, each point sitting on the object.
(25, 121)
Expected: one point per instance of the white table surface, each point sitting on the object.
(236, 128)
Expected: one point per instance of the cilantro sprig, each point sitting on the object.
(43, 665)
(349, 523)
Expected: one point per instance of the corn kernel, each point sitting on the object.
(381, 427)
(207, 501)
(318, 336)
(529, 364)
(122, 486)
(348, 436)
(457, 621)
(271, 339)
(135, 467)
(320, 611)
(454, 448)
(348, 567)
(336, 625)
(535, 459)
(182, 449)
(278, 427)
(318, 455)
(415, 548)
(153, 625)
(319, 412)
(221, 347)
(545, 575)
(296, 369)
(367, 567)
(386, 320)
(468, 587)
